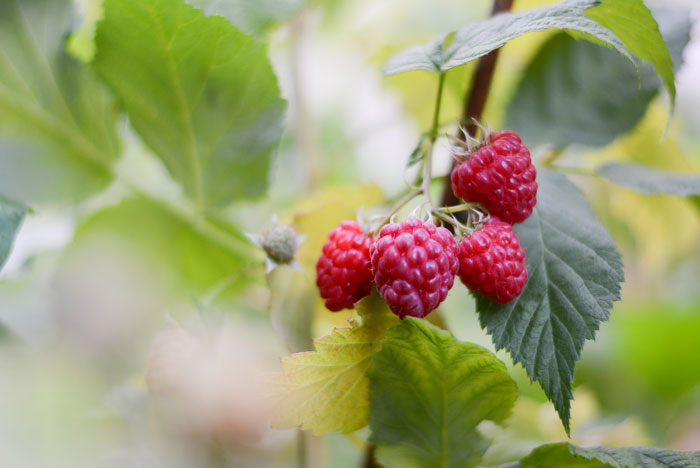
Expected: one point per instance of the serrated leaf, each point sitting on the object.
(254, 18)
(429, 392)
(575, 273)
(202, 95)
(563, 455)
(327, 390)
(633, 23)
(649, 181)
(11, 217)
(58, 138)
(478, 39)
(600, 84)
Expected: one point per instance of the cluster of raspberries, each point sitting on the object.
(413, 263)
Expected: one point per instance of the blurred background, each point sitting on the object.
(104, 299)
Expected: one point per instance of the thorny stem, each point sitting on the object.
(475, 100)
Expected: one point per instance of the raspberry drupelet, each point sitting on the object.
(414, 265)
(492, 262)
(500, 176)
(343, 273)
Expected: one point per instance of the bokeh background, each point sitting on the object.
(87, 289)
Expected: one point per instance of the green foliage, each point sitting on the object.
(328, 389)
(575, 273)
(633, 23)
(254, 18)
(600, 84)
(58, 137)
(478, 39)
(648, 181)
(429, 392)
(11, 217)
(564, 455)
(201, 94)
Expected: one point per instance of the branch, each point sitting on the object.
(475, 99)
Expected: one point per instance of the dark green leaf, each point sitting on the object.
(252, 17)
(478, 39)
(649, 181)
(11, 217)
(58, 137)
(598, 83)
(564, 455)
(429, 392)
(200, 93)
(575, 273)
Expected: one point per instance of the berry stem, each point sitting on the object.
(428, 167)
(459, 208)
(403, 202)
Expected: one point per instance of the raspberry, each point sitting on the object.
(492, 262)
(500, 176)
(343, 271)
(414, 266)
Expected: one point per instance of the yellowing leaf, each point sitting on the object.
(327, 390)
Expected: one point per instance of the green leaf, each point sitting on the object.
(575, 273)
(188, 258)
(633, 23)
(11, 217)
(564, 455)
(201, 94)
(254, 18)
(600, 84)
(649, 181)
(478, 39)
(328, 390)
(429, 392)
(58, 138)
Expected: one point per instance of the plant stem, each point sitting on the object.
(458, 208)
(428, 169)
(410, 196)
(370, 460)
(301, 449)
(475, 99)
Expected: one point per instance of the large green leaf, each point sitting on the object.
(11, 217)
(429, 392)
(649, 181)
(478, 39)
(575, 273)
(564, 455)
(199, 92)
(58, 136)
(600, 84)
(252, 17)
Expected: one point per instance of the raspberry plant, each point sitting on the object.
(169, 119)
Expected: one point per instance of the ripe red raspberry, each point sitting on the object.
(492, 262)
(343, 272)
(500, 176)
(414, 266)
